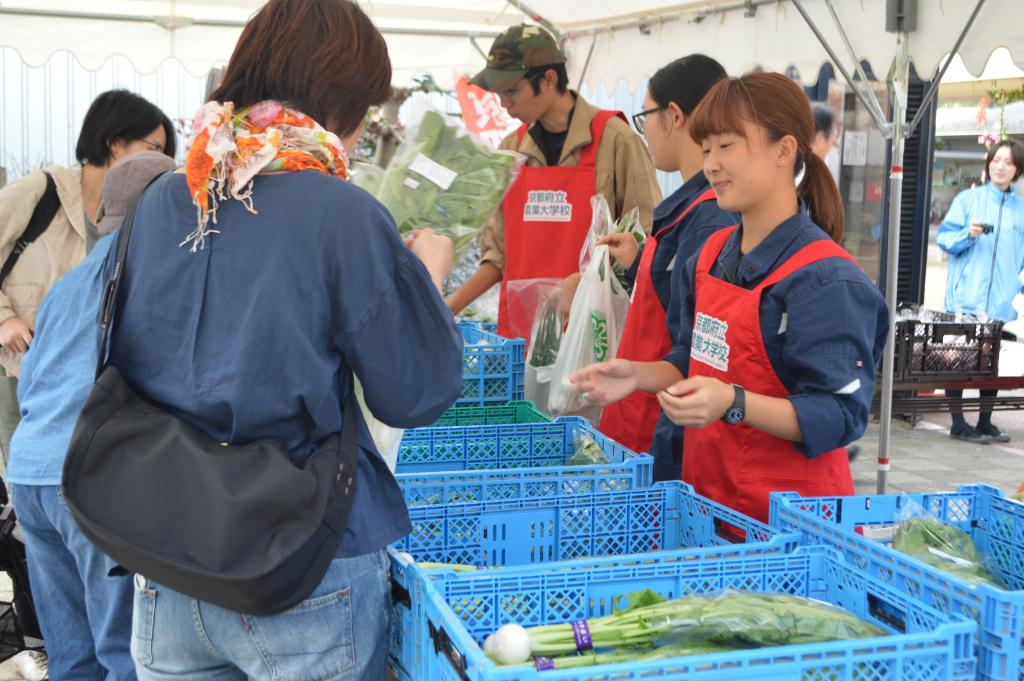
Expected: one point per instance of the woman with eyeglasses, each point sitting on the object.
(63, 202)
(682, 222)
(773, 368)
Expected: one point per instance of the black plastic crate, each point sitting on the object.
(947, 349)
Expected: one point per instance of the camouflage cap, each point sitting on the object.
(515, 51)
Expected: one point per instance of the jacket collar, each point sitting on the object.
(69, 191)
(578, 135)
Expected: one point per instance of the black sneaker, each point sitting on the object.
(852, 452)
(970, 434)
(994, 433)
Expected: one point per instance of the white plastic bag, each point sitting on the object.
(387, 439)
(595, 327)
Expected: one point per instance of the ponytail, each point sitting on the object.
(777, 105)
(819, 191)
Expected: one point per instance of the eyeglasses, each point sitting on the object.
(640, 119)
(512, 92)
(155, 146)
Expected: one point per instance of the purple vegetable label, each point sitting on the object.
(581, 631)
(543, 664)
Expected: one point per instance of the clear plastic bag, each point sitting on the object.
(443, 179)
(387, 439)
(595, 327)
(923, 536)
(586, 452)
(545, 336)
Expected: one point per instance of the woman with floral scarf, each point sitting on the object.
(258, 283)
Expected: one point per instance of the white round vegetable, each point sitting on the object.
(489, 644)
(511, 644)
(407, 557)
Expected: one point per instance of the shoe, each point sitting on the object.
(32, 665)
(852, 452)
(994, 433)
(970, 434)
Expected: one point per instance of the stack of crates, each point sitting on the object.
(505, 531)
(861, 528)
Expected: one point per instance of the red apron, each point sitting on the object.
(737, 465)
(645, 338)
(547, 217)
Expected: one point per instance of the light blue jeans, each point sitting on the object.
(339, 633)
(85, 613)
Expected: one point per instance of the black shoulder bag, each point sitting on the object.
(42, 216)
(240, 526)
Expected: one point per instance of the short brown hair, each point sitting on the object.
(324, 57)
(1016, 153)
(778, 106)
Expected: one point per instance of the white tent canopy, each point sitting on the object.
(623, 40)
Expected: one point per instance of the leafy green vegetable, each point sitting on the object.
(943, 546)
(547, 335)
(649, 627)
(461, 210)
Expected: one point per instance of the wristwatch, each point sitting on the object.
(736, 413)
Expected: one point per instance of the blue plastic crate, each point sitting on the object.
(923, 644)
(519, 411)
(521, 532)
(467, 464)
(995, 523)
(493, 368)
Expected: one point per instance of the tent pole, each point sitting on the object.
(898, 79)
(875, 115)
(856, 62)
(934, 87)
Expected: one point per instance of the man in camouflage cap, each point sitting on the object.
(515, 52)
(573, 151)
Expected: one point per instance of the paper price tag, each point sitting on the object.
(433, 171)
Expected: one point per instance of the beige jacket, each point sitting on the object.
(48, 258)
(625, 174)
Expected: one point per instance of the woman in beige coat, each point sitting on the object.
(118, 123)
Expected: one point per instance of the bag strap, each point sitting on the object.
(42, 216)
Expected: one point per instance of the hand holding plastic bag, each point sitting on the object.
(596, 318)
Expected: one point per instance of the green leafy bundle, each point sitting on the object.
(943, 546)
(460, 211)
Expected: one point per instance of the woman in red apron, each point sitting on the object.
(773, 370)
(682, 222)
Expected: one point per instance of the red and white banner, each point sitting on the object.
(482, 113)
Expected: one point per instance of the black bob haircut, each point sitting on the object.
(119, 115)
(1016, 153)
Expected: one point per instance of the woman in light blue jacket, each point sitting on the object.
(984, 236)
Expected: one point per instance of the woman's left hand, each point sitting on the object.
(696, 402)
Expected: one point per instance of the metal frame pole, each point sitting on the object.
(898, 79)
(875, 115)
(934, 88)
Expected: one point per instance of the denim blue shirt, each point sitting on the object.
(258, 334)
(674, 249)
(824, 330)
(57, 372)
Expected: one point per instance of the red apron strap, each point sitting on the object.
(708, 195)
(811, 253)
(521, 133)
(712, 247)
(589, 155)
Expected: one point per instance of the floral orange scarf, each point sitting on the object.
(230, 148)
